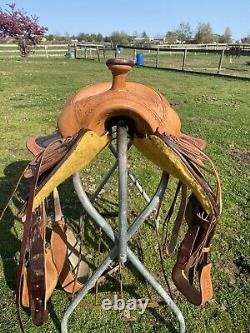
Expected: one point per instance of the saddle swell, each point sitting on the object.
(92, 107)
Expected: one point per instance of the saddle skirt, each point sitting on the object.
(83, 131)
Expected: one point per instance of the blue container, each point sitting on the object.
(120, 50)
(140, 59)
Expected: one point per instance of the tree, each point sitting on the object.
(107, 39)
(50, 37)
(171, 37)
(216, 38)
(99, 38)
(184, 32)
(67, 37)
(119, 37)
(246, 39)
(227, 36)
(24, 29)
(204, 33)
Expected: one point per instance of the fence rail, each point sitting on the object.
(154, 59)
(12, 50)
(223, 60)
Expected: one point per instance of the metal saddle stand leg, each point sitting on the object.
(121, 250)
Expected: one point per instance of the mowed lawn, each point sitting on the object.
(32, 93)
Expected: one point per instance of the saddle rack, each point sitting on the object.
(121, 251)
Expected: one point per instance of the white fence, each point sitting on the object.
(12, 51)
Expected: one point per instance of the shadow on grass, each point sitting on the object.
(9, 241)
(72, 209)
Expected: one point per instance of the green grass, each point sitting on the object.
(32, 93)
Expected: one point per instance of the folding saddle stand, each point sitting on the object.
(121, 250)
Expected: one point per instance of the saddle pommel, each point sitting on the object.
(119, 68)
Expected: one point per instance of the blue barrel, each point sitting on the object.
(120, 50)
(140, 59)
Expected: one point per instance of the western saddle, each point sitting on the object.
(83, 130)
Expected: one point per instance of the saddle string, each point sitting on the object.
(159, 245)
(168, 218)
(178, 221)
(12, 194)
(178, 144)
(211, 164)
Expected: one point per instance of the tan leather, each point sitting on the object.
(196, 297)
(66, 257)
(63, 254)
(198, 142)
(93, 107)
(67, 253)
(51, 279)
(206, 284)
(33, 147)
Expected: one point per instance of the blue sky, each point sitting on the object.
(152, 16)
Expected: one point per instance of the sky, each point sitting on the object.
(154, 16)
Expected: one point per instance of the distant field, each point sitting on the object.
(33, 92)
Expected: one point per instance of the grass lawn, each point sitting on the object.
(32, 93)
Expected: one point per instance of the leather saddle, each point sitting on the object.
(83, 131)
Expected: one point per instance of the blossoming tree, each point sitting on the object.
(23, 28)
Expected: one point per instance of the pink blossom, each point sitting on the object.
(18, 24)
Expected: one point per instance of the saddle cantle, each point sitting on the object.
(82, 132)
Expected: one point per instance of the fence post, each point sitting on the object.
(86, 56)
(157, 58)
(74, 50)
(184, 59)
(220, 62)
(104, 53)
(134, 55)
(98, 54)
(46, 51)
